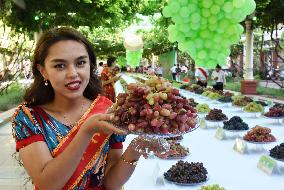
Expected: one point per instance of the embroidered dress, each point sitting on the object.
(32, 124)
(108, 89)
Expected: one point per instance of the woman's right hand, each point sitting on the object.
(99, 123)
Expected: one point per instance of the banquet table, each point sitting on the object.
(225, 166)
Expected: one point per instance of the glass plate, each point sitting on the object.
(273, 117)
(253, 142)
(173, 157)
(215, 121)
(236, 130)
(188, 184)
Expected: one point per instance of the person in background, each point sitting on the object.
(218, 75)
(201, 76)
(62, 132)
(159, 71)
(100, 69)
(173, 71)
(178, 72)
(108, 79)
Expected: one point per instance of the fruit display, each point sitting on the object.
(184, 86)
(214, 96)
(153, 109)
(192, 102)
(123, 83)
(261, 103)
(212, 187)
(259, 134)
(202, 108)
(175, 138)
(216, 115)
(235, 123)
(228, 94)
(176, 151)
(196, 89)
(225, 99)
(241, 101)
(157, 83)
(186, 173)
(279, 106)
(277, 152)
(253, 107)
(275, 111)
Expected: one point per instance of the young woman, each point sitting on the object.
(108, 78)
(62, 132)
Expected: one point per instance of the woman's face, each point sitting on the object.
(67, 67)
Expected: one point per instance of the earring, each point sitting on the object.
(45, 83)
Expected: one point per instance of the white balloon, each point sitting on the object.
(133, 42)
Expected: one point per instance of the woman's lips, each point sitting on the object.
(75, 85)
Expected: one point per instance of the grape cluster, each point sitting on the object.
(153, 109)
(259, 134)
(196, 89)
(241, 101)
(277, 152)
(228, 94)
(276, 111)
(225, 99)
(216, 115)
(203, 108)
(184, 172)
(212, 187)
(192, 102)
(177, 150)
(253, 107)
(123, 83)
(235, 123)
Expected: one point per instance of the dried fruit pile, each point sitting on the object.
(154, 109)
(277, 152)
(235, 123)
(187, 173)
(216, 115)
(259, 134)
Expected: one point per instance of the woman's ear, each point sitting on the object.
(42, 71)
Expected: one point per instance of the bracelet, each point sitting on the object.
(133, 163)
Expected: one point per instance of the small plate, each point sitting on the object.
(253, 142)
(188, 184)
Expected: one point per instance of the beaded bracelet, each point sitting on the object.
(133, 163)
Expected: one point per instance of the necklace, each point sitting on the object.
(68, 118)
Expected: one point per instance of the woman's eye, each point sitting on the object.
(59, 66)
(81, 63)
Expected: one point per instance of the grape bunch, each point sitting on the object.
(253, 107)
(261, 103)
(216, 115)
(235, 123)
(192, 102)
(123, 83)
(275, 111)
(259, 134)
(277, 152)
(212, 187)
(203, 108)
(187, 173)
(228, 94)
(154, 110)
(241, 101)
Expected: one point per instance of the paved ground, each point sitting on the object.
(12, 176)
(269, 84)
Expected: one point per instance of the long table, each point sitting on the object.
(225, 166)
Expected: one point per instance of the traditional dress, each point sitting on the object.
(32, 124)
(108, 89)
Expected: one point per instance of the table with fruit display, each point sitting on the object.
(199, 158)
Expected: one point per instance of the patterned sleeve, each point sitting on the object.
(26, 129)
(115, 141)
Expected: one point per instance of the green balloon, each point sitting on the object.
(238, 3)
(223, 24)
(195, 26)
(192, 8)
(228, 7)
(195, 18)
(205, 12)
(198, 43)
(213, 54)
(208, 44)
(240, 28)
(250, 7)
(183, 2)
(212, 20)
(215, 9)
(201, 54)
(174, 6)
(219, 2)
(217, 38)
(205, 34)
(207, 3)
(212, 27)
(238, 15)
(184, 12)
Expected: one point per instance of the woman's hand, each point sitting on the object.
(99, 123)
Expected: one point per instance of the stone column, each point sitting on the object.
(248, 85)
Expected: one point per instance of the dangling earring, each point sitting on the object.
(45, 83)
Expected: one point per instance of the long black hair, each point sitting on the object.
(38, 93)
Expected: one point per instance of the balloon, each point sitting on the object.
(167, 12)
(215, 9)
(219, 2)
(228, 7)
(184, 12)
(238, 3)
(251, 5)
(133, 42)
(207, 3)
(202, 54)
(174, 6)
(205, 12)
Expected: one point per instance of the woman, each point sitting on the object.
(218, 75)
(62, 132)
(108, 79)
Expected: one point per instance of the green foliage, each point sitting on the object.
(12, 98)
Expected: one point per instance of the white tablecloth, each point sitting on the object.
(226, 167)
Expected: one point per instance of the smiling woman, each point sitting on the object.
(62, 124)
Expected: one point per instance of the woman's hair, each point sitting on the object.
(38, 93)
(110, 61)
